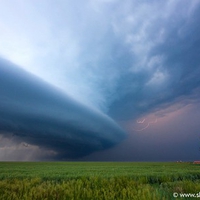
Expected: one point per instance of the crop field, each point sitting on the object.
(99, 180)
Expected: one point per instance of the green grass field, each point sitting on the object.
(98, 180)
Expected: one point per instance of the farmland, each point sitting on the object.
(98, 180)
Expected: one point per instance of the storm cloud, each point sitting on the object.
(126, 60)
(40, 114)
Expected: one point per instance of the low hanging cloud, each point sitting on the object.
(38, 113)
(13, 148)
(125, 58)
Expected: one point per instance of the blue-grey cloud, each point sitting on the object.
(40, 114)
(125, 58)
(129, 52)
(167, 64)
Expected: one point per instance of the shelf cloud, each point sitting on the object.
(40, 114)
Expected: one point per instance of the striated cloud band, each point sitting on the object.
(40, 114)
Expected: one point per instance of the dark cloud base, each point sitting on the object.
(40, 114)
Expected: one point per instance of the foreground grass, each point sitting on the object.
(98, 180)
(92, 188)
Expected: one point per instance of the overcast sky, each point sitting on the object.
(100, 80)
